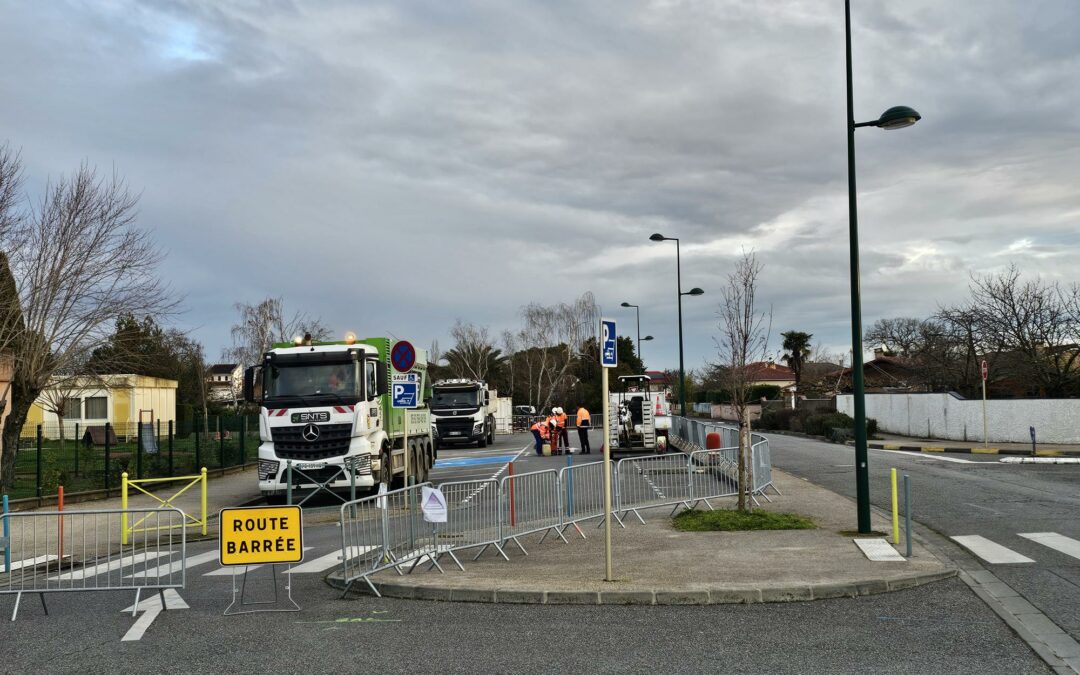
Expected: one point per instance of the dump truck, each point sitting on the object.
(325, 408)
(462, 411)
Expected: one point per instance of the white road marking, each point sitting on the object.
(175, 566)
(31, 562)
(329, 560)
(226, 571)
(1039, 460)
(117, 563)
(172, 601)
(1058, 542)
(879, 550)
(991, 552)
(150, 608)
(141, 624)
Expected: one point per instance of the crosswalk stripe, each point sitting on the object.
(879, 550)
(118, 563)
(1058, 542)
(329, 560)
(991, 552)
(175, 567)
(31, 562)
(226, 571)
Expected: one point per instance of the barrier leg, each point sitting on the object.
(138, 592)
(15, 612)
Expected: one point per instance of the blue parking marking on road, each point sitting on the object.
(471, 461)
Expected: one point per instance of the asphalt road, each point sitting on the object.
(971, 495)
(928, 629)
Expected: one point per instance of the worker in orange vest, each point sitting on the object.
(553, 431)
(584, 421)
(540, 434)
(561, 417)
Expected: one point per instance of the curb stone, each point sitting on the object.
(662, 596)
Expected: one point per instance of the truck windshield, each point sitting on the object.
(337, 380)
(455, 399)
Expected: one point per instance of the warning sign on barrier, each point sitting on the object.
(433, 504)
(259, 535)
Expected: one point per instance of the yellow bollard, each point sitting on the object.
(123, 507)
(895, 511)
(203, 473)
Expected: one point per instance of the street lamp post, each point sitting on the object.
(692, 291)
(893, 118)
(637, 312)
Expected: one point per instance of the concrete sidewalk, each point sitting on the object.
(655, 564)
(897, 442)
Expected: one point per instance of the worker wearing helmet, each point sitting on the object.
(553, 431)
(561, 417)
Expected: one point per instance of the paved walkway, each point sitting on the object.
(897, 442)
(655, 564)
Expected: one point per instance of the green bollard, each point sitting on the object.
(108, 428)
(38, 490)
(171, 467)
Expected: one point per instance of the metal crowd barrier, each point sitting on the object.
(473, 516)
(651, 482)
(583, 494)
(67, 551)
(713, 474)
(761, 463)
(532, 502)
(387, 531)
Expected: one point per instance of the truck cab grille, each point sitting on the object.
(333, 441)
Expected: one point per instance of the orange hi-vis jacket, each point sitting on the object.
(542, 427)
(560, 420)
(583, 417)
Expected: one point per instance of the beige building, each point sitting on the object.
(121, 400)
(6, 367)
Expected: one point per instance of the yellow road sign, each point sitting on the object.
(261, 534)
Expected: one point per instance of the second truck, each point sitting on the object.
(462, 412)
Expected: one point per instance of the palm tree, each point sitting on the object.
(797, 346)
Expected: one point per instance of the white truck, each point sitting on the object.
(462, 411)
(325, 407)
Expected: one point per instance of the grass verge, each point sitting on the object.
(729, 520)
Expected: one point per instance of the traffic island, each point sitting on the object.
(655, 564)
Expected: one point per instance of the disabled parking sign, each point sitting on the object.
(403, 394)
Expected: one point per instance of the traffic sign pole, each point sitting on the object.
(985, 372)
(608, 359)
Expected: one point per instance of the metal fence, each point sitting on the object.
(583, 493)
(473, 516)
(388, 531)
(650, 482)
(532, 502)
(694, 434)
(67, 551)
(91, 456)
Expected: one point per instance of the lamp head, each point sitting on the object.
(646, 338)
(657, 237)
(695, 291)
(898, 117)
(626, 304)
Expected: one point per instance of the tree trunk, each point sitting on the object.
(743, 504)
(21, 397)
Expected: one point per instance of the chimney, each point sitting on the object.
(878, 352)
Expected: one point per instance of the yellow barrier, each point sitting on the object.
(127, 528)
(895, 511)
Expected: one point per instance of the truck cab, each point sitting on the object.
(325, 409)
(461, 412)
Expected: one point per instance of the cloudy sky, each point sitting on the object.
(394, 166)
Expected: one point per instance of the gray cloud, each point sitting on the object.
(393, 166)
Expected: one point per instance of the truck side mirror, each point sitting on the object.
(252, 384)
(380, 381)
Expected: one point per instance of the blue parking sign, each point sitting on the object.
(403, 394)
(609, 357)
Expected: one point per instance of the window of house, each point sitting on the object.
(73, 409)
(97, 408)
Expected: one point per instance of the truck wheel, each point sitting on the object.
(385, 474)
(430, 457)
(482, 443)
(420, 463)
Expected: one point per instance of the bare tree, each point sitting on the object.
(744, 339)
(552, 338)
(903, 336)
(80, 263)
(263, 324)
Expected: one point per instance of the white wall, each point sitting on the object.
(946, 416)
